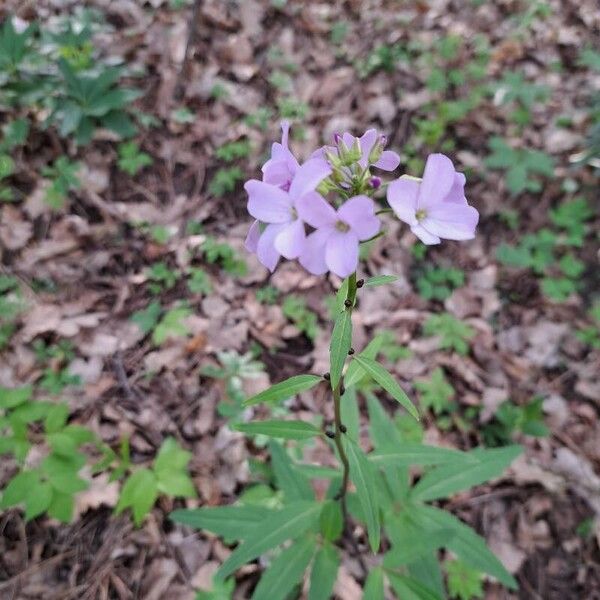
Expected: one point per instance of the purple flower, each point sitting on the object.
(280, 169)
(284, 234)
(334, 244)
(371, 146)
(434, 207)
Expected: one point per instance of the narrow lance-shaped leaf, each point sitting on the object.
(446, 480)
(324, 573)
(374, 585)
(363, 477)
(228, 521)
(341, 339)
(387, 382)
(380, 280)
(285, 572)
(466, 544)
(407, 587)
(406, 455)
(289, 430)
(285, 389)
(290, 481)
(354, 372)
(289, 523)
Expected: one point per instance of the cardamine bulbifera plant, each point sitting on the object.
(319, 213)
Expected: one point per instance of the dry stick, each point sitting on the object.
(178, 91)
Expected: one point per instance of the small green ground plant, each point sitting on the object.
(50, 482)
(551, 253)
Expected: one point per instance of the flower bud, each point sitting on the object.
(334, 160)
(375, 182)
(377, 149)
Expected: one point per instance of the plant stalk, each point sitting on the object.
(337, 396)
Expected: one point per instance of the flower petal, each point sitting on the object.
(341, 253)
(359, 213)
(308, 177)
(367, 141)
(402, 195)
(348, 139)
(279, 171)
(451, 221)
(313, 256)
(438, 179)
(424, 235)
(457, 191)
(251, 242)
(388, 161)
(268, 203)
(266, 252)
(321, 152)
(289, 242)
(315, 210)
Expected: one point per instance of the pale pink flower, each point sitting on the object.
(434, 207)
(335, 243)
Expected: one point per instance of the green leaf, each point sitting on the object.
(147, 318)
(463, 581)
(387, 382)
(341, 296)
(139, 493)
(233, 522)
(406, 455)
(380, 280)
(62, 444)
(324, 573)
(294, 484)
(374, 585)
(289, 523)
(19, 487)
(466, 544)
(341, 339)
(171, 456)
(61, 471)
(449, 479)
(409, 588)
(436, 392)
(331, 520)
(285, 389)
(454, 333)
(220, 590)
(350, 413)
(38, 500)
(363, 476)
(56, 418)
(354, 372)
(285, 572)
(558, 288)
(404, 552)
(289, 430)
(176, 483)
(13, 397)
(171, 325)
(61, 507)
(386, 437)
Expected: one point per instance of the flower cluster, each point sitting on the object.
(292, 196)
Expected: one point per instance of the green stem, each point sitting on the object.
(337, 396)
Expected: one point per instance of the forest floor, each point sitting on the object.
(484, 82)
